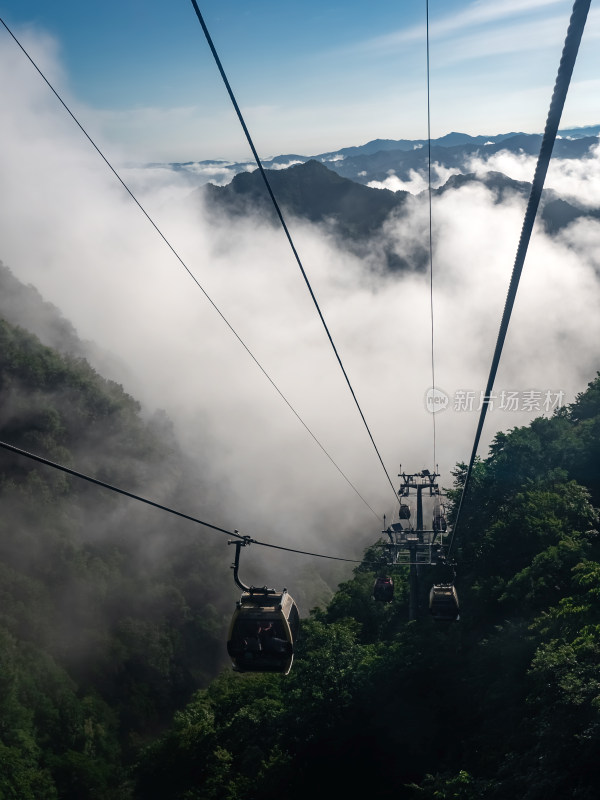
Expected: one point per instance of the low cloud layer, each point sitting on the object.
(572, 178)
(69, 228)
(417, 182)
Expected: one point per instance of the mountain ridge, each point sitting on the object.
(351, 161)
(356, 214)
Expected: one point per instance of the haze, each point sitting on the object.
(69, 228)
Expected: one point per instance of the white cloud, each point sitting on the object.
(68, 227)
(578, 179)
(417, 182)
(286, 165)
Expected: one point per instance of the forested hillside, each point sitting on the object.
(115, 681)
(109, 614)
(352, 212)
(504, 703)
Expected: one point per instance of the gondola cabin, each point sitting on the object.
(383, 589)
(443, 602)
(262, 633)
(439, 522)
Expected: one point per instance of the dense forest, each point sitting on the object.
(115, 681)
(505, 703)
(109, 614)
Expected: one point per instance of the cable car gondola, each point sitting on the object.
(439, 523)
(383, 589)
(443, 602)
(264, 626)
(263, 629)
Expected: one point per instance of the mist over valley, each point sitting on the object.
(119, 360)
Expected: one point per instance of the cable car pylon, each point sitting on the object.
(413, 544)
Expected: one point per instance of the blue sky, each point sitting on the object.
(309, 77)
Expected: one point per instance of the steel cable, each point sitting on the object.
(161, 507)
(285, 228)
(565, 70)
(184, 265)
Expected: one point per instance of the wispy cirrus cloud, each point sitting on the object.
(476, 15)
(516, 36)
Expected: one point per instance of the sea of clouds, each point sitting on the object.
(68, 227)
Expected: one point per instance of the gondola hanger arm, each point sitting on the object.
(239, 543)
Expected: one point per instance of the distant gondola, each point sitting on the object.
(262, 633)
(439, 522)
(443, 602)
(383, 589)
